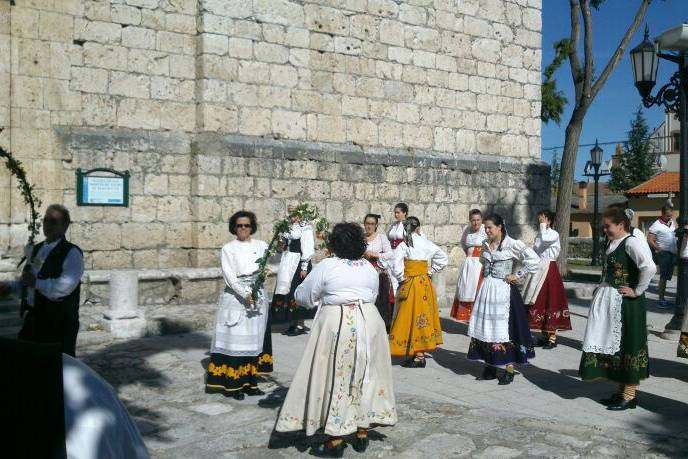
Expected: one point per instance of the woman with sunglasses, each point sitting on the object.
(379, 253)
(242, 346)
(615, 342)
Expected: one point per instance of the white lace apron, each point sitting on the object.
(603, 331)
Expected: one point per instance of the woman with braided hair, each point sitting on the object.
(499, 320)
(416, 328)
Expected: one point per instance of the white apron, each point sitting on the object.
(534, 282)
(467, 287)
(603, 331)
(490, 315)
(239, 330)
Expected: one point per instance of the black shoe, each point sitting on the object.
(541, 341)
(506, 378)
(623, 404)
(489, 373)
(253, 391)
(616, 398)
(323, 450)
(294, 331)
(306, 329)
(361, 444)
(549, 345)
(417, 363)
(236, 395)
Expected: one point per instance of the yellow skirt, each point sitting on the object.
(416, 327)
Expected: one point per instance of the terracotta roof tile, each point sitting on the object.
(664, 182)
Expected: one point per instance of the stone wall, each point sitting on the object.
(215, 105)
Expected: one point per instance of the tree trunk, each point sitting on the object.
(566, 179)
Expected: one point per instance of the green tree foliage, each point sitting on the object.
(638, 163)
(555, 173)
(553, 100)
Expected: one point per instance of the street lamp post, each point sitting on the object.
(595, 162)
(673, 96)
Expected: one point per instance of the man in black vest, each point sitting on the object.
(52, 282)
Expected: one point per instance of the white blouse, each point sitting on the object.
(422, 249)
(396, 231)
(641, 257)
(381, 246)
(547, 244)
(338, 281)
(239, 258)
(304, 232)
(473, 239)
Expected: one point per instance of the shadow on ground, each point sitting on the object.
(125, 363)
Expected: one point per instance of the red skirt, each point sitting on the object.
(461, 310)
(551, 309)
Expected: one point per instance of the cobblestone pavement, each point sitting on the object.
(443, 410)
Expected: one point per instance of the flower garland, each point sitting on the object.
(306, 213)
(17, 170)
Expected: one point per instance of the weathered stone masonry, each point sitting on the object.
(214, 105)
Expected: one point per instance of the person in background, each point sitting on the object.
(295, 264)
(543, 292)
(471, 274)
(662, 239)
(52, 282)
(379, 253)
(416, 327)
(395, 232)
(615, 342)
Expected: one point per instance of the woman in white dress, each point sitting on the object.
(242, 344)
(343, 384)
(499, 321)
(416, 327)
(470, 276)
(298, 247)
(379, 253)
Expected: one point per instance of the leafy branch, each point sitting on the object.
(17, 170)
(305, 213)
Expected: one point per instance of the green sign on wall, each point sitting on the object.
(102, 187)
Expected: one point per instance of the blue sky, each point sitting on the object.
(609, 116)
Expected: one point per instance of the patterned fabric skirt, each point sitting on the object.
(385, 300)
(630, 364)
(520, 346)
(682, 350)
(416, 327)
(227, 373)
(344, 380)
(284, 307)
(550, 312)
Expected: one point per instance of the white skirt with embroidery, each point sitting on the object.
(344, 380)
(490, 315)
(239, 329)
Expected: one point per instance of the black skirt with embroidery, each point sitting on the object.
(227, 373)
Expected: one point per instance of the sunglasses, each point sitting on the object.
(242, 225)
(51, 220)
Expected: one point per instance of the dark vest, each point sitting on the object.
(52, 269)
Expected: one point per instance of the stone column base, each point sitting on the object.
(125, 328)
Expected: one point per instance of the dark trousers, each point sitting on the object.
(55, 323)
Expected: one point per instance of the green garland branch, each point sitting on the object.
(17, 170)
(306, 213)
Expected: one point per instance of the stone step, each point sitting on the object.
(10, 332)
(580, 290)
(7, 305)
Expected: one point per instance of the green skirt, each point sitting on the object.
(631, 364)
